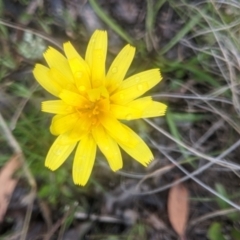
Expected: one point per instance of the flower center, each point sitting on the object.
(94, 112)
(98, 104)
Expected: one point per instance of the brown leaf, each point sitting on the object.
(178, 207)
(7, 183)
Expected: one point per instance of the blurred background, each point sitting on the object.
(191, 189)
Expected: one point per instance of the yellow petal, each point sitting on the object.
(125, 112)
(116, 130)
(136, 85)
(67, 140)
(80, 129)
(57, 154)
(56, 60)
(71, 52)
(96, 57)
(84, 160)
(140, 152)
(96, 93)
(140, 108)
(43, 76)
(73, 99)
(57, 107)
(81, 73)
(108, 147)
(119, 67)
(98, 67)
(63, 123)
(132, 110)
(155, 109)
(62, 80)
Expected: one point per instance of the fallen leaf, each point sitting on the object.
(178, 208)
(7, 183)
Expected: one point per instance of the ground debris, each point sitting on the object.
(7, 183)
(178, 208)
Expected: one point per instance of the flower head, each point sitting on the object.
(91, 103)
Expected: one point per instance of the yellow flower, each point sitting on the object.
(92, 103)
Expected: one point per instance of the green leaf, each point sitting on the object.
(214, 232)
(235, 233)
(174, 131)
(186, 28)
(109, 21)
(221, 190)
(187, 117)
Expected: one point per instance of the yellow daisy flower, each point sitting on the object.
(92, 103)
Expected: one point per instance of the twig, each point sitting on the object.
(211, 160)
(57, 225)
(200, 182)
(41, 35)
(93, 217)
(212, 215)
